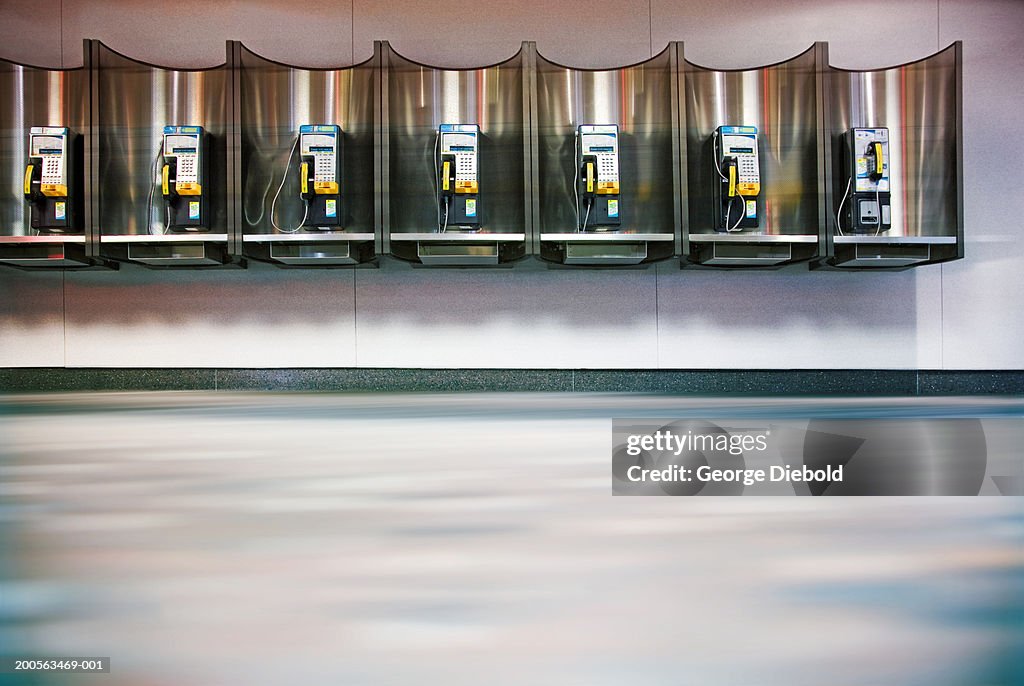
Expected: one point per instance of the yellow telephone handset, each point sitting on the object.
(445, 171)
(165, 178)
(590, 177)
(28, 179)
(879, 162)
(732, 180)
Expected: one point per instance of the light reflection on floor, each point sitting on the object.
(472, 539)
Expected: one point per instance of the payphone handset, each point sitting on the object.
(739, 178)
(868, 186)
(597, 169)
(49, 181)
(182, 178)
(458, 186)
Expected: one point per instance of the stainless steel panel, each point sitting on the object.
(317, 254)
(309, 237)
(166, 239)
(917, 102)
(276, 100)
(136, 101)
(638, 99)
(606, 237)
(458, 254)
(747, 238)
(883, 257)
(781, 101)
(748, 254)
(896, 240)
(32, 97)
(49, 254)
(457, 237)
(420, 99)
(179, 254)
(605, 253)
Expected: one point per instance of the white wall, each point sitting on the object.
(963, 315)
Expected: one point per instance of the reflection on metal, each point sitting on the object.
(321, 253)
(606, 237)
(40, 254)
(30, 96)
(920, 105)
(135, 101)
(874, 255)
(458, 254)
(636, 98)
(528, 109)
(455, 237)
(275, 100)
(177, 254)
(594, 253)
(783, 102)
(419, 99)
(726, 254)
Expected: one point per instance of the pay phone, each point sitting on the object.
(182, 178)
(52, 179)
(320, 173)
(458, 171)
(739, 178)
(319, 148)
(868, 189)
(597, 168)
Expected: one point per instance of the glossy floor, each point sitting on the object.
(472, 539)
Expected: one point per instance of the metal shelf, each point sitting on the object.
(751, 238)
(307, 237)
(51, 238)
(460, 237)
(190, 237)
(895, 240)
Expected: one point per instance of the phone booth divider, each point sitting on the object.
(474, 123)
(607, 180)
(165, 140)
(919, 107)
(51, 228)
(754, 131)
(307, 161)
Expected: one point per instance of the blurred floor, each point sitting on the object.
(207, 538)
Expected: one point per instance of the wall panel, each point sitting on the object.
(964, 314)
(31, 319)
(260, 317)
(535, 318)
(449, 33)
(983, 321)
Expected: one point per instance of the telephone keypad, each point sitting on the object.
(607, 170)
(748, 171)
(52, 169)
(187, 168)
(324, 167)
(465, 167)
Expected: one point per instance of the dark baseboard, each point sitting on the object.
(722, 382)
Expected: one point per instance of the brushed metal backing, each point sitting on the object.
(33, 97)
(918, 104)
(275, 100)
(135, 101)
(638, 99)
(781, 100)
(420, 98)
